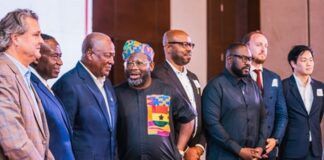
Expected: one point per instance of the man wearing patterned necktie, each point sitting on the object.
(271, 90)
(23, 127)
(44, 68)
(89, 100)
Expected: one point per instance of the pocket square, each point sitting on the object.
(274, 82)
(319, 92)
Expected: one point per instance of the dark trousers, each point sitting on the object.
(309, 156)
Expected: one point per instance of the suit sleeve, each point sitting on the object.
(14, 140)
(211, 112)
(69, 98)
(281, 114)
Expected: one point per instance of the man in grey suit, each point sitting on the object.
(177, 50)
(23, 127)
(270, 86)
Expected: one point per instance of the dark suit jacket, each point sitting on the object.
(166, 74)
(275, 104)
(94, 136)
(58, 123)
(296, 141)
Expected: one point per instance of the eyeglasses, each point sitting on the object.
(243, 58)
(130, 64)
(184, 44)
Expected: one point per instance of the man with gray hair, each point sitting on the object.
(23, 127)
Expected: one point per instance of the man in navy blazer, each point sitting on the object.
(48, 67)
(90, 101)
(271, 89)
(305, 103)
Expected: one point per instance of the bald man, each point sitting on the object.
(90, 101)
(177, 50)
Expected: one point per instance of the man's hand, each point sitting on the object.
(193, 153)
(271, 144)
(250, 153)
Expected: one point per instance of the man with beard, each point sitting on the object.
(271, 89)
(89, 100)
(148, 110)
(177, 50)
(305, 105)
(44, 68)
(233, 111)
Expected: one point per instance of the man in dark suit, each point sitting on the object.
(177, 50)
(48, 67)
(305, 103)
(90, 101)
(23, 127)
(271, 89)
(233, 110)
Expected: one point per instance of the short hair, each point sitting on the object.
(247, 37)
(233, 47)
(47, 37)
(13, 23)
(296, 51)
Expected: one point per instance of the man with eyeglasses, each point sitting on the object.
(89, 99)
(270, 86)
(177, 50)
(233, 110)
(148, 110)
(43, 69)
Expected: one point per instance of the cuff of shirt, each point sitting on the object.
(201, 146)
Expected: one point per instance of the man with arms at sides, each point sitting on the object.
(44, 68)
(233, 110)
(177, 50)
(23, 127)
(148, 110)
(89, 100)
(271, 89)
(305, 103)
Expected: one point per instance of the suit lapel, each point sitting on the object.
(295, 92)
(175, 79)
(111, 102)
(54, 99)
(315, 99)
(94, 90)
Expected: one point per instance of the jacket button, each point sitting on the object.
(44, 142)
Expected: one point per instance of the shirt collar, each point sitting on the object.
(98, 80)
(38, 76)
(299, 82)
(252, 68)
(176, 70)
(232, 79)
(22, 69)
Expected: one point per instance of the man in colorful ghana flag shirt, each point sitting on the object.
(148, 111)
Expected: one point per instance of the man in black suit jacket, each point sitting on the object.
(271, 89)
(177, 48)
(305, 102)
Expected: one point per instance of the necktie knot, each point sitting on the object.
(258, 79)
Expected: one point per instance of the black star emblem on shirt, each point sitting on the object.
(161, 117)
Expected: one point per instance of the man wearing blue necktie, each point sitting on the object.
(44, 68)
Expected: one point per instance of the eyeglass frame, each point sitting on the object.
(139, 64)
(184, 44)
(244, 59)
